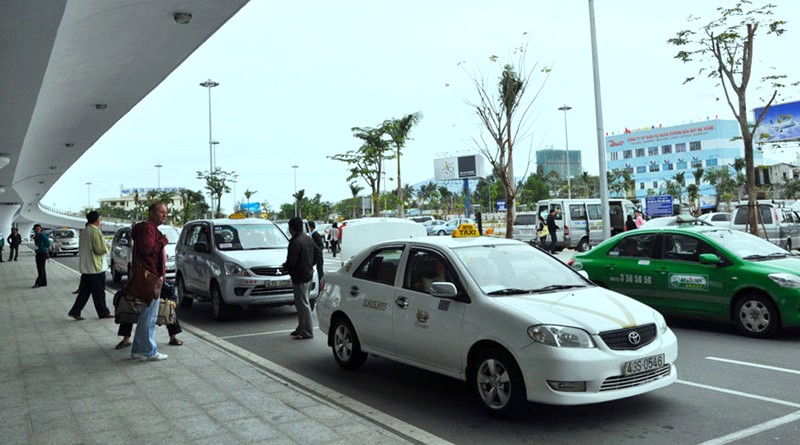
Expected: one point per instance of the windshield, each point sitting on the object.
(171, 233)
(64, 234)
(504, 269)
(744, 244)
(249, 237)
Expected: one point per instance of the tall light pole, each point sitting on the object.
(295, 188)
(209, 84)
(88, 195)
(214, 157)
(566, 108)
(158, 168)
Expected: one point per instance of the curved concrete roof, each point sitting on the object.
(69, 70)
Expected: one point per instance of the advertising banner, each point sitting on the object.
(781, 124)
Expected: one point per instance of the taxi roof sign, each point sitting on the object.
(237, 215)
(466, 230)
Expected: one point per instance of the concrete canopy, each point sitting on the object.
(69, 70)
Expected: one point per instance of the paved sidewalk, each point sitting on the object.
(62, 382)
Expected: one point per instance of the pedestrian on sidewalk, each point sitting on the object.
(148, 252)
(14, 240)
(42, 242)
(2, 243)
(125, 329)
(92, 265)
(318, 260)
(300, 264)
(552, 228)
(334, 234)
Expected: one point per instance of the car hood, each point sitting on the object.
(593, 309)
(253, 258)
(788, 265)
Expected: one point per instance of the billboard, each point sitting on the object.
(781, 123)
(462, 167)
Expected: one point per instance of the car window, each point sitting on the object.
(721, 217)
(498, 267)
(577, 212)
(171, 233)
(636, 246)
(198, 234)
(594, 211)
(742, 213)
(60, 234)
(249, 237)
(426, 267)
(682, 247)
(381, 266)
(525, 220)
(744, 244)
(559, 211)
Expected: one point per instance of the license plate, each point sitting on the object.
(643, 365)
(279, 283)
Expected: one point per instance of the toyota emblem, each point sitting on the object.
(634, 338)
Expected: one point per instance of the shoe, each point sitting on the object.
(302, 337)
(35, 286)
(76, 291)
(135, 356)
(123, 344)
(294, 333)
(76, 317)
(110, 315)
(175, 342)
(157, 357)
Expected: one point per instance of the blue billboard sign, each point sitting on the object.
(252, 207)
(658, 206)
(780, 124)
(501, 206)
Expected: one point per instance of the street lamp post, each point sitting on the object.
(214, 157)
(158, 169)
(295, 188)
(88, 195)
(209, 84)
(566, 108)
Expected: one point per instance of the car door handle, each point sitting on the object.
(401, 302)
(354, 291)
(611, 266)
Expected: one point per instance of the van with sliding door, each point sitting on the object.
(580, 221)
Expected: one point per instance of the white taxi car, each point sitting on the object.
(515, 323)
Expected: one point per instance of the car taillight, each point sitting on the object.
(566, 230)
(571, 262)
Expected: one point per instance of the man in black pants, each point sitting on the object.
(42, 242)
(318, 260)
(14, 240)
(552, 228)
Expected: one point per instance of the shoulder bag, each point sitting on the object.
(144, 285)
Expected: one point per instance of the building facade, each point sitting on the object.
(655, 155)
(553, 160)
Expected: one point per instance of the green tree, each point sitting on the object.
(217, 185)
(723, 181)
(193, 205)
(680, 181)
(398, 130)
(724, 48)
(366, 162)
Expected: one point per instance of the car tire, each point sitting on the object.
(182, 295)
(219, 309)
(115, 276)
(756, 316)
(345, 345)
(583, 245)
(441, 233)
(497, 382)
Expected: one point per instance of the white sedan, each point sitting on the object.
(515, 323)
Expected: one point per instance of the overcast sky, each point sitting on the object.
(296, 76)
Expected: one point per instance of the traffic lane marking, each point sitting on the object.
(755, 429)
(256, 334)
(754, 365)
(739, 393)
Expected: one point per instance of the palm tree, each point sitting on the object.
(248, 194)
(408, 193)
(585, 178)
(680, 180)
(398, 130)
(354, 190)
(298, 198)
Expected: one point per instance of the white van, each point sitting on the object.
(781, 223)
(581, 220)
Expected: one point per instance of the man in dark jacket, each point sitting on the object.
(552, 228)
(317, 238)
(14, 240)
(300, 265)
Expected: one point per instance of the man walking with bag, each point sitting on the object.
(300, 264)
(93, 267)
(148, 253)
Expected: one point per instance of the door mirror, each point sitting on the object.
(443, 289)
(124, 242)
(709, 258)
(201, 247)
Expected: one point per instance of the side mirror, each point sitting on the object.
(124, 242)
(709, 258)
(201, 247)
(443, 289)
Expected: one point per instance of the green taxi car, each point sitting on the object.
(702, 271)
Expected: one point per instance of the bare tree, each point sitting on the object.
(724, 48)
(504, 114)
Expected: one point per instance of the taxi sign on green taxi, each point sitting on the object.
(702, 271)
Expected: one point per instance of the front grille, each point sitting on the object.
(629, 381)
(263, 290)
(269, 271)
(619, 339)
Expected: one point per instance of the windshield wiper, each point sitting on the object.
(557, 287)
(766, 257)
(509, 291)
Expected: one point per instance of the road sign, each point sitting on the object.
(252, 207)
(501, 206)
(659, 206)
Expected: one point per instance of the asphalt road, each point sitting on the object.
(730, 388)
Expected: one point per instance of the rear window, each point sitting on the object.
(525, 220)
(742, 215)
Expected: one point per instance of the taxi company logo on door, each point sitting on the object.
(422, 318)
(688, 282)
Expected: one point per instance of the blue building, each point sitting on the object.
(655, 155)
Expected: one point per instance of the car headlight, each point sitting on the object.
(785, 280)
(661, 323)
(561, 336)
(235, 269)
